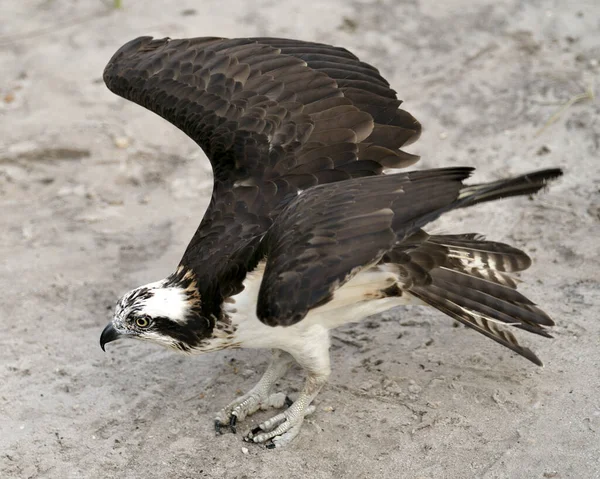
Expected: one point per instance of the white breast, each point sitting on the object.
(355, 300)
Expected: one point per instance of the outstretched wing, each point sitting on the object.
(274, 117)
(330, 233)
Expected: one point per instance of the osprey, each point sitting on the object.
(310, 226)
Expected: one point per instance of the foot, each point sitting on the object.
(247, 405)
(259, 397)
(282, 428)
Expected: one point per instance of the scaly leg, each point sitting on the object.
(259, 397)
(282, 428)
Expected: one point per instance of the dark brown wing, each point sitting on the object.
(274, 117)
(363, 85)
(331, 232)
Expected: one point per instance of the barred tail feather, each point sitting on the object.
(468, 278)
(485, 326)
(493, 303)
(474, 252)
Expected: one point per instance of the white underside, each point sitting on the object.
(354, 301)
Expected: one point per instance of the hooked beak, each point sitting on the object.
(109, 334)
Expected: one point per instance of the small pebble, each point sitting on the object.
(245, 450)
(122, 142)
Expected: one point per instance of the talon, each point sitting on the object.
(218, 426)
(288, 402)
(232, 423)
(271, 445)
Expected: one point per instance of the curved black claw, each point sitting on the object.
(218, 426)
(288, 402)
(270, 445)
(232, 423)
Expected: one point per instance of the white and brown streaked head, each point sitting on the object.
(167, 312)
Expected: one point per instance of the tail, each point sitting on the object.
(469, 279)
(526, 184)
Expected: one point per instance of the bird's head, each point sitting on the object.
(167, 312)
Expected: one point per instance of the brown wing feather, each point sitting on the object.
(328, 234)
(269, 122)
(331, 232)
(363, 85)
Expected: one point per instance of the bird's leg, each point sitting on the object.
(282, 428)
(259, 397)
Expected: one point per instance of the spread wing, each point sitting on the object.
(330, 233)
(274, 117)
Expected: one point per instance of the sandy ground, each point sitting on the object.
(99, 196)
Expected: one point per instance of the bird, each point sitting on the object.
(313, 220)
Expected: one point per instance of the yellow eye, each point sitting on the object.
(142, 321)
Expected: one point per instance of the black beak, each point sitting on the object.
(109, 334)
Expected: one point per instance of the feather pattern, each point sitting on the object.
(331, 233)
(299, 136)
(274, 117)
(477, 291)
